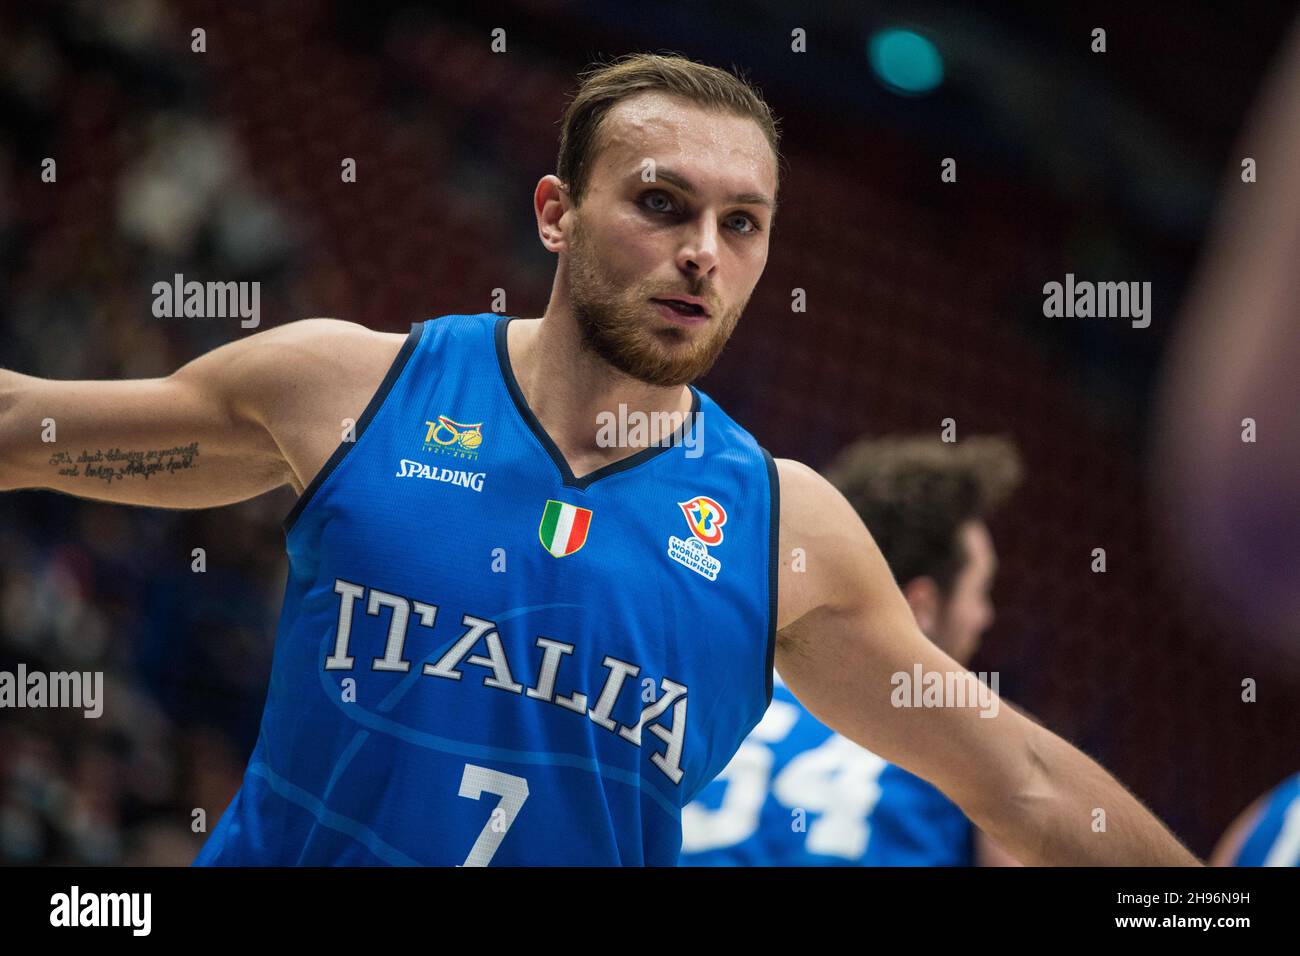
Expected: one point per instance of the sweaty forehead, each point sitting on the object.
(677, 132)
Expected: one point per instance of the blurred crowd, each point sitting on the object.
(146, 183)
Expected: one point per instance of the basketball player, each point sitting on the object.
(798, 794)
(1266, 833)
(506, 636)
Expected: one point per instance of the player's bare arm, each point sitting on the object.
(988, 853)
(844, 629)
(240, 420)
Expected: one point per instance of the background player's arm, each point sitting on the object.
(206, 435)
(846, 629)
(1229, 845)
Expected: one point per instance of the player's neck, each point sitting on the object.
(571, 391)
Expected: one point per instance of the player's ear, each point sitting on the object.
(922, 594)
(550, 202)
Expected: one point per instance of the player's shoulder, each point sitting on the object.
(800, 477)
(331, 333)
(345, 349)
(326, 339)
(342, 349)
(308, 362)
(808, 500)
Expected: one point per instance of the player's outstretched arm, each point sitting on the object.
(845, 631)
(206, 435)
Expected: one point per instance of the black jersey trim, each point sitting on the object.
(376, 400)
(566, 473)
(773, 562)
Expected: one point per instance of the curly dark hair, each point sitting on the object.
(915, 492)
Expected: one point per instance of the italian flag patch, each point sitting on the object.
(564, 528)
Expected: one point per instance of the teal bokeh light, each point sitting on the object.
(905, 62)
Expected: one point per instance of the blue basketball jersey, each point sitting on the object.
(1274, 839)
(798, 794)
(482, 658)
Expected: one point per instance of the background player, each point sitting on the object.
(925, 502)
(1266, 833)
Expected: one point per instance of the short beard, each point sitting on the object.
(615, 327)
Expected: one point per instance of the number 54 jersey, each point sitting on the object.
(798, 794)
(483, 659)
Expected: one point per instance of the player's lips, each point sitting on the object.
(687, 308)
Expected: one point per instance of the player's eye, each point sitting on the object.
(659, 194)
(658, 200)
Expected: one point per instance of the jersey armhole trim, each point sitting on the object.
(394, 372)
(773, 563)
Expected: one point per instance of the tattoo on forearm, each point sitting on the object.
(118, 463)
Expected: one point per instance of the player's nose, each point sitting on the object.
(699, 253)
